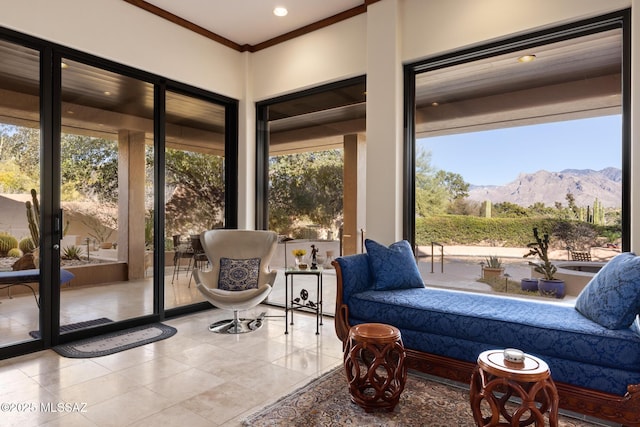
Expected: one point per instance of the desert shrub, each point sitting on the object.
(472, 230)
(72, 252)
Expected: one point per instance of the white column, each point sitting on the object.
(384, 122)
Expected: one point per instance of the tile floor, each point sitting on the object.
(195, 378)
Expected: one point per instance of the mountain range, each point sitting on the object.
(550, 187)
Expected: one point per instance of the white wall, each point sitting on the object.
(439, 26)
(331, 54)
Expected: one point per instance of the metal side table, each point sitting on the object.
(302, 302)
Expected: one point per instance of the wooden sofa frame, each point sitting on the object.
(624, 410)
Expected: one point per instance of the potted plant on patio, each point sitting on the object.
(547, 284)
(492, 267)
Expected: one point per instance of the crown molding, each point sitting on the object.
(247, 47)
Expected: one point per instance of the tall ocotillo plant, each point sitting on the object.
(33, 217)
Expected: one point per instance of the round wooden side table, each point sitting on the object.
(495, 380)
(374, 364)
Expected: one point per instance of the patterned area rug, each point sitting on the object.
(74, 326)
(114, 342)
(326, 402)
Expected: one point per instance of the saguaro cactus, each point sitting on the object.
(33, 217)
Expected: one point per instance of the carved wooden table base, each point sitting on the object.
(495, 381)
(374, 364)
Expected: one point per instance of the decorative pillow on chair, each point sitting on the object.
(393, 267)
(238, 274)
(612, 297)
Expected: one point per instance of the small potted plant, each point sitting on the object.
(547, 284)
(299, 256)
(492, 267)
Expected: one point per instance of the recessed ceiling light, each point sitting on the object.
(280, 11)
(64, 65)
(106, 92)
(435, 104)
(526, 58)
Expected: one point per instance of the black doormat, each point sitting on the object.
(74, 326)
(115, 342)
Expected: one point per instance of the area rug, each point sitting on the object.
(75, 326)
(115, 342)
(326, 402)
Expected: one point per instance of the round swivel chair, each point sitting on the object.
(233, 255)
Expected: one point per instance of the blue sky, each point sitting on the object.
(497, 157)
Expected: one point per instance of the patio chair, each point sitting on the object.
(200, 258)
(580, 256)
(181, 251)
(240, 277)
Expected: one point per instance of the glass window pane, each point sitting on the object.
(106, 193)
(504, 144)
(194, 191)
(19, 174)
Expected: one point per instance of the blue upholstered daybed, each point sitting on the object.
(596, 369)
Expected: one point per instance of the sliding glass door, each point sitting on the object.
(106, 193)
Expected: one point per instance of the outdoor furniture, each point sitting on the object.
(580, 256)
(182, 250)
(199, 257)
(496, 379)
(240, 277)
(26, 277)
(374, 363)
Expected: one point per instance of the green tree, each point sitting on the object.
(89, 168)
(509, 210)
(19, 158)
(454, 185)
(197, 191)
(305, 186)
(437, 190)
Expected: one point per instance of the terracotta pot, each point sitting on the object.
(106, 245)
(491, 272)
(551, 288)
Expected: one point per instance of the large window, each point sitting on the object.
(118, 161)
(311, 146)
(194, 187)
(529, 133)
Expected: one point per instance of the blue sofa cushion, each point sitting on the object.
(612, 297)
(552, 330)
(393, 267)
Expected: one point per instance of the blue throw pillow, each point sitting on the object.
(393, 267)
(612, 297)
(238, 274)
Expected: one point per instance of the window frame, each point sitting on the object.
(616, 20)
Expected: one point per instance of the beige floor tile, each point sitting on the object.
(71, 375)
(194, 378)
(127, 408)
(174, 416)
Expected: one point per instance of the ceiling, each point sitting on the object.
(250, 22)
